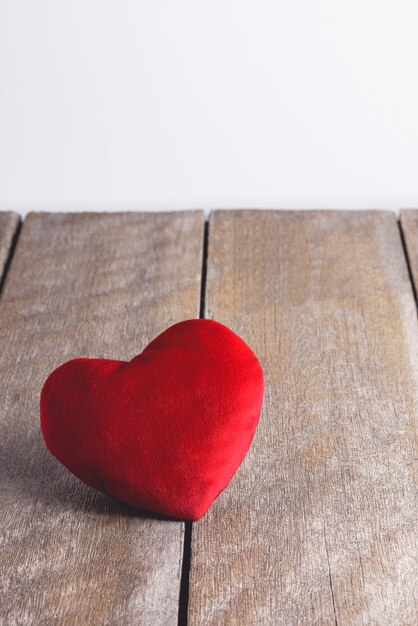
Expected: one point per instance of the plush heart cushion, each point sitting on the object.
(165, 431)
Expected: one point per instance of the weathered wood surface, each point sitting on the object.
(8, 224)
(409, 225)
(85, 285)
(319, 525)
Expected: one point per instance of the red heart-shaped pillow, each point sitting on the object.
(165, 431)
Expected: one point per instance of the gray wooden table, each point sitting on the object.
(319, 525)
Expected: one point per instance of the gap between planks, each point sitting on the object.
(188, 529)
(10, 227)
(407, 223)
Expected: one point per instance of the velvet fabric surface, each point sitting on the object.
(165, 431)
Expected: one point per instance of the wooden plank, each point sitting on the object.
(319, 524)
(85, 285)
(409, 225)
(9, 223)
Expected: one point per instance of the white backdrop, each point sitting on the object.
(168, 104)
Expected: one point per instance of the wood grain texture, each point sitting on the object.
(9, 223)
(85, 285)
(319, 525)
(409, 225)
